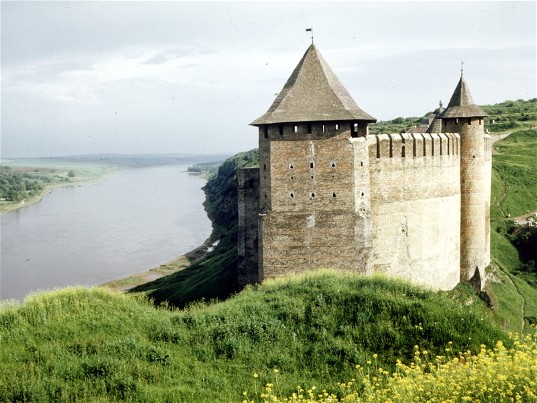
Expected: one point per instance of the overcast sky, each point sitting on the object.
(188, 77)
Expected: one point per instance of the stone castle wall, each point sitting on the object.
(248, 236)
(415, 203)
(310, 218)
(331, 196)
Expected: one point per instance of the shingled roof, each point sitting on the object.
(313, 93)
(461, 104)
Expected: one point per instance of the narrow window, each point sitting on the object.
(457, 121)
(309, 128)
(291, 166)
(323, 128)
(362, 194)
(265, 131)
(281, 130)
(296, 128)
(361, 163)
(334, 194)
(469, 121)
(265, 167)
(291, 195)
(333, 165)
(403, 151)
(354, 130)
(312, 195)
(311, 165)
(337, 126)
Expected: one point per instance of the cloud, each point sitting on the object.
(157, 59)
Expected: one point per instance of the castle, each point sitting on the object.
(327, 194)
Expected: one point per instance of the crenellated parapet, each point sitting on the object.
(414, 145)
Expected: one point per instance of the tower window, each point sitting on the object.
(334, 194)
(291, 166)
(323, 128)
(354, 130)
(361, 163)
(312, 195)
(296, 128)
(403, 152)
(309, 128)
(265, 131)
(333, 164)
(337, 126)
(291, 195)
(265, 167)
(311, 165)
(281, 129)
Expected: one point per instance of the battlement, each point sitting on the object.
(414, 145)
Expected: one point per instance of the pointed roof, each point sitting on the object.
(313, 93)
(461, 104)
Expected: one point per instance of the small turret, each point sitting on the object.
(463, 116)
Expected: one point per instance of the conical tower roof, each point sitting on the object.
(461, 104)
(313, 93)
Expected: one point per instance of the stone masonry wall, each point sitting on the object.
(311, 220)
(248, 239)
(474, 194)
(415, 204)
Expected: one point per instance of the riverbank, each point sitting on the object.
(166, 269)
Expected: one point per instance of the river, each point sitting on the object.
(126, 223)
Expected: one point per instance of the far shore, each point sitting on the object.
(89, 176)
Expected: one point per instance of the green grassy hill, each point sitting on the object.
(97, 345)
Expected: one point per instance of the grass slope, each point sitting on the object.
(514, 192)
(95, 345)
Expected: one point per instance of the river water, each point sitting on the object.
(126, 223)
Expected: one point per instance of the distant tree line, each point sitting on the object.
(17, 186)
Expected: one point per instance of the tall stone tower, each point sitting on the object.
(463, 116)
(313, 170)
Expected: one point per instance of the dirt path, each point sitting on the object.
(498, 137)
(523, 301)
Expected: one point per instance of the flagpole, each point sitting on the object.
(310, 30)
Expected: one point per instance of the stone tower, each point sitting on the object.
(463, 116)
(313, 172)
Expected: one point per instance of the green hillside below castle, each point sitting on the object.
(80, 344)
(97, 345)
